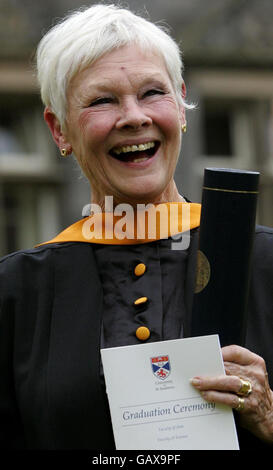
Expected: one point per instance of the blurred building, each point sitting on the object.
(227, 48)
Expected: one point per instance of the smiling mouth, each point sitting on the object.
(135, 153)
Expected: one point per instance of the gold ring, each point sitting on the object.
(241, 404)
(245, 389)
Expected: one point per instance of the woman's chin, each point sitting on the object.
(143, 194)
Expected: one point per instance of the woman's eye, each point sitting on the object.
(154, 92)
(99, 101)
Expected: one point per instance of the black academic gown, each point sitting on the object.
(51, 393)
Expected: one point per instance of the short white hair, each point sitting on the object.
(86, 35)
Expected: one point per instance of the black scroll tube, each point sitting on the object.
(226, 238)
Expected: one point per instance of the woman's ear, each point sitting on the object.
(182, 108)
(56, 130)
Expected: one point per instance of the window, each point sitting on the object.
(29, 214)
(217, 132)
(17, 124)
(10, 229)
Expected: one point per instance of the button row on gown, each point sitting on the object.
(142, 332)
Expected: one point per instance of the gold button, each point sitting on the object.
(142, 333)
(140, 269)
(141, 300)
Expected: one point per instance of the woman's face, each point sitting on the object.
(124, 126)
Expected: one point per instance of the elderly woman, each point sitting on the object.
(114, 96)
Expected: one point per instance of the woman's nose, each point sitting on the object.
(133, 116)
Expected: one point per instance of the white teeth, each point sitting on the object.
(143, 159)
(134, 148)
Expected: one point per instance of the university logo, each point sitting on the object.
(161, 367)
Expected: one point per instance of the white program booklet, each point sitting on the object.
(152, 402)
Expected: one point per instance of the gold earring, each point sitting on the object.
(64, 152)
(184, 127)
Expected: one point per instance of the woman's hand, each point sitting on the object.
(256, 408)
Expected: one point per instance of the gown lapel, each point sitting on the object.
(190, 281)
(75, 395)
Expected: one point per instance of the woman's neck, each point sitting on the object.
(107, 203)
